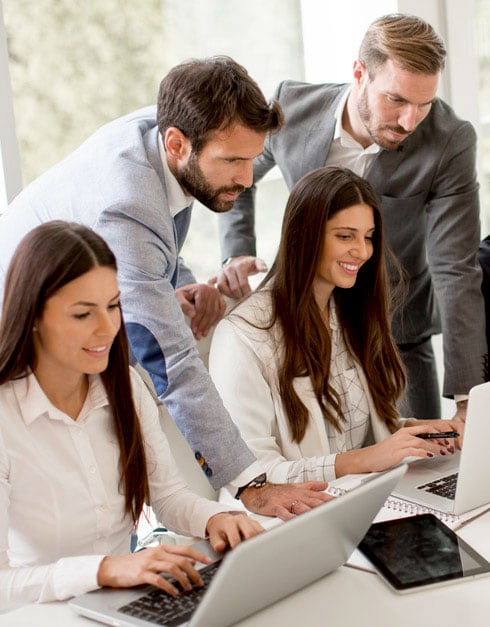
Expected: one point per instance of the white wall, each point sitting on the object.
(332, 32)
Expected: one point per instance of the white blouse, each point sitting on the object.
(62, 510)
(244, 364)
(344, 378)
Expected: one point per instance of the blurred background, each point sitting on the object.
(69, 66)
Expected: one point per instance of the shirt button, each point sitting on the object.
(92, 470)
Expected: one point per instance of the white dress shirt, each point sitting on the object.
(177, 199)
(345, 151)
(62, 509)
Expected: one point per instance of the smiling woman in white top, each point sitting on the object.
(81, 448)
(306, 365)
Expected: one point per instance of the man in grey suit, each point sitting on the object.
(134, 182)
(390, 127)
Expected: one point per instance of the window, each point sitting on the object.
(10, 176)
(115, 53)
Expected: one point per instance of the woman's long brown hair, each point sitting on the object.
(47, 258)
(363, 309)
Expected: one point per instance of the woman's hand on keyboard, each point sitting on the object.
(227, 529)
(177, 561)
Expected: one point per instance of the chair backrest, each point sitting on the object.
(189, 468)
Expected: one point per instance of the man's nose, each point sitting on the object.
(409, 117)
(245, 174)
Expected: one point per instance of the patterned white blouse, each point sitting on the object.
(244, 363)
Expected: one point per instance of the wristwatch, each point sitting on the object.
(257, 482)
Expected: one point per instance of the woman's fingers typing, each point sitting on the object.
(230, 528)
(147, 566)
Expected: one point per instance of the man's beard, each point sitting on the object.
(375, 133)
(192, 179)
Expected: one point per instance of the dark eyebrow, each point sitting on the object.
(238, 158)
(86, 303)
(83, 303)
(350, 228)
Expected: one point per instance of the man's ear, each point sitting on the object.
(359, 71)
(177, 145)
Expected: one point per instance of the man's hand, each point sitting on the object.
(285, 500)
(203, 304)
(461, 407)
(232, 279)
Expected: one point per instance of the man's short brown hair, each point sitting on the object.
(204, 95)
(407, 40)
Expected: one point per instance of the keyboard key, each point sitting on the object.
(445, 486)
(161, 608)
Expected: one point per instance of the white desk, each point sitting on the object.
(344, 598)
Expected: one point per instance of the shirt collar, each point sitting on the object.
(34, 403)
(341, 135)
(339, 131)
(177, 199)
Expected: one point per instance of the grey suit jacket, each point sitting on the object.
(114, 183)
(429, 196)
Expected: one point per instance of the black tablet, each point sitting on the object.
(420, 551)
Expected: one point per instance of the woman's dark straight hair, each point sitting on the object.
(46, 259)
(363, 309)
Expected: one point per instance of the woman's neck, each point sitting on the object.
(66, 394)
(322, 297)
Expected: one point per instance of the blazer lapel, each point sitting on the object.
(318, 138)
(316, 147)
(383, 166)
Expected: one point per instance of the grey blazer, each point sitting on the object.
(114, 183)
(429, 196)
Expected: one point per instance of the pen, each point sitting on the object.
(436, 436)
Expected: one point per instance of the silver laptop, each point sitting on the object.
(258, 572)
(457, 483)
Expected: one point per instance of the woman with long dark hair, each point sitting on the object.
(81, 448)
(306, 364)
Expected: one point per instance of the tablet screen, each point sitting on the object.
(419, 551)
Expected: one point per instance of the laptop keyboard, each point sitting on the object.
(164, 609)
(445, 486)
